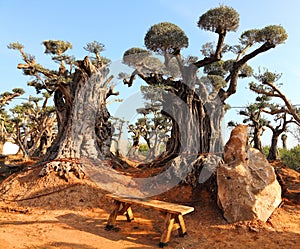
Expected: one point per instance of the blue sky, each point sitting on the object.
(122, 24)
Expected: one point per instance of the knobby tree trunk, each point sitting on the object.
(196, 119)
(83, 127)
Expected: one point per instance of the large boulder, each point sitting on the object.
(248, 190)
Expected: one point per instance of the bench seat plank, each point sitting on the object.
(156, 204)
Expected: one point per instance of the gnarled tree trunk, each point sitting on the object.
(196, 119)
(83, 127)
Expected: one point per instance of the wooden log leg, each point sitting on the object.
(113, 216)
(165, 237)
(182, 229)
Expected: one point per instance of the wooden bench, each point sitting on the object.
(173, 214)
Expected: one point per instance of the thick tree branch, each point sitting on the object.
(218, 54)
(234, 74)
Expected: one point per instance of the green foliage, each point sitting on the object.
(143, 148)
(15, 46)
(249, 37)
(216, 68)
(216, 81)
(267, 76)
(274, 34)
(291, 157)
(18, 91)
(94, 47)
(223, 68)
(266, 150)
(219, 20)
(165, 38)
(212, 83)
(56, 47)
(134, 56)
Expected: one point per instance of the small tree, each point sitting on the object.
(253, 113)
(118, 124)
(33, 126)
(284, 140)
(281, 117)
(5, 98)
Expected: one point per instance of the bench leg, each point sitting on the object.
(113, 216)
(120, 208)
(182, 229)
(129, 214)
(165, 237)
(127, 211)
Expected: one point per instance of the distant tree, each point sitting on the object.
(196, 105)
(267, 86)
(136, 134)
(154, 128)
(254, 119)
(5, 98)
(284, 140)
(75, 81)
(118, 124)
(283, 114)
(282, 119)
(33, 126)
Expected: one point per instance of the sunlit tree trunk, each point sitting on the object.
(83, 126)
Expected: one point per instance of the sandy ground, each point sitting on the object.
(51, 213)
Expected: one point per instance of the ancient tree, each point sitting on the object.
(195, 103)
(75, 83)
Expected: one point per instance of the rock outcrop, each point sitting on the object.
(248, 190)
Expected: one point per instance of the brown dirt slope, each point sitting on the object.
(51, 213)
